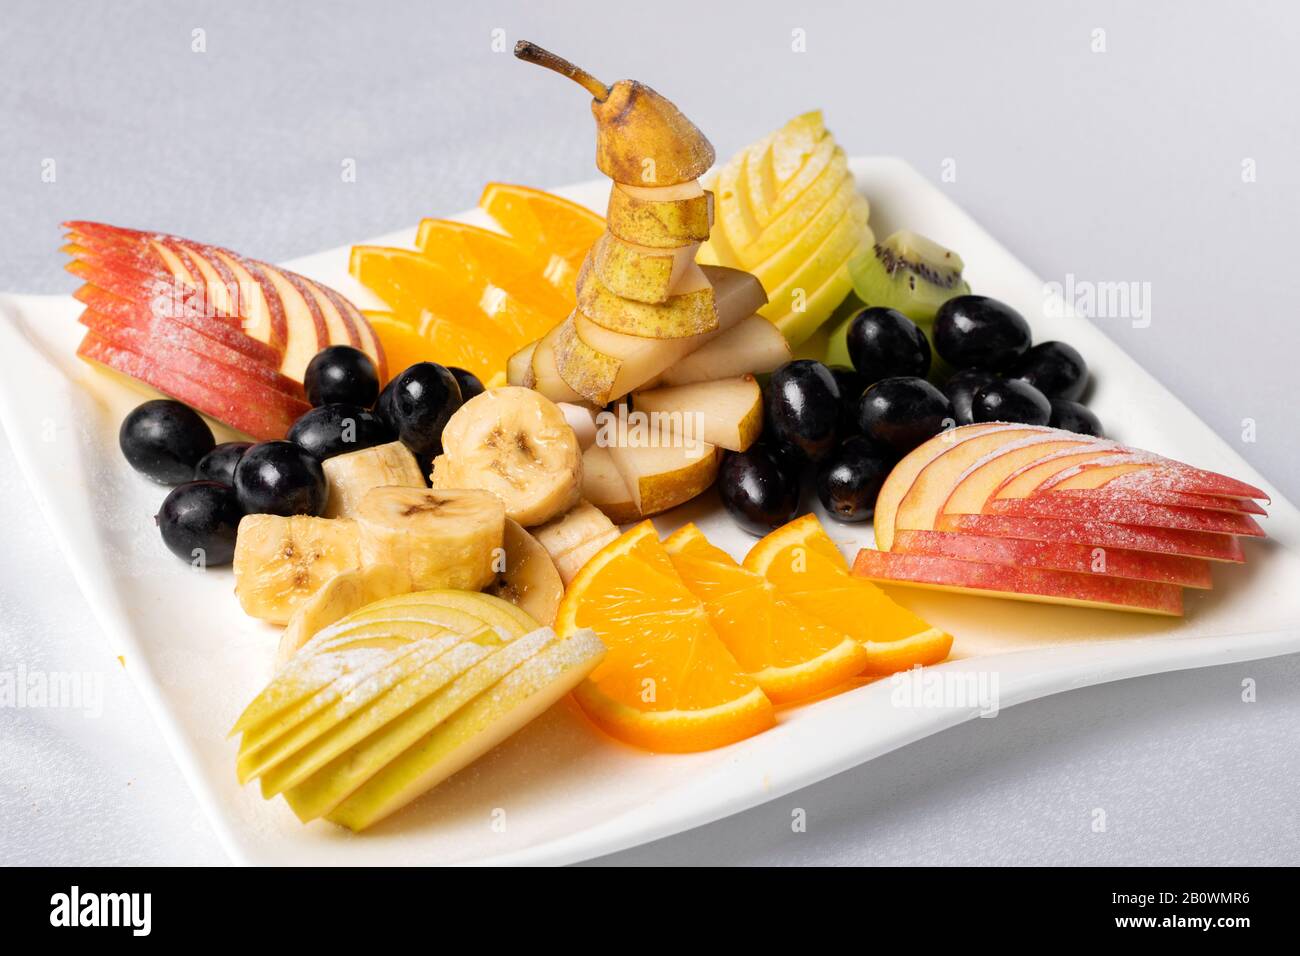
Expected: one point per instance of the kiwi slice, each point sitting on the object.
(910, 273)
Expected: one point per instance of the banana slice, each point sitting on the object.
(340, 596)
(529, 579)
(574, 537)
(440, 538)
(352, 475)
(515, 443)
(281, 562)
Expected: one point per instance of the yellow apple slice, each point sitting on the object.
(785, 262)
(843, 241)
(755, 246)
(519, 698)
(787, 165)
(753, 346)
(904, 473)
(726, 412)
(330, 785)
(800, 323)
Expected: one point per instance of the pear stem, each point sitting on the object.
(530, 52)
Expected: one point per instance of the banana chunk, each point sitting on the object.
(281, 562)
(515, 443)
(574, 537)
(441, 538)
(352, 475)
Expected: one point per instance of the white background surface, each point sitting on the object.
(1116, 166)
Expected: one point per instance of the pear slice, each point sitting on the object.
(659, 218)
(755, 345)
(428, 671)
(529, 579)
(589, 373)
(663, 471)
(604, 487)
(727, 412)
(520, 697)
(545, 374)
(690, 310)
(639, 272)
(519, 366)
(328, 787)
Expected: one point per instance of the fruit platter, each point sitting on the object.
(593, 514)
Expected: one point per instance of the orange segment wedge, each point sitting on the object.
(808, 570)
(495, 259)
(556, 229)
(668, 683)
(792, 655)
(430, 339)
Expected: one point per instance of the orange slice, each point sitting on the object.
(495, 259)
(791, 655)
(412, 282)
(430, 339)
(668, 683)
(808, 570)
(556, 229)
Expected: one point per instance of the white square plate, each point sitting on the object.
(568, 792)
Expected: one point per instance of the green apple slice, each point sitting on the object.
(488, 608)
(354, 635)
(347, 667)
(328, 787)
(521, 696)
(419, 683)
(358, 692)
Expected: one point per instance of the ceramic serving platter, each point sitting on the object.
(563, 791)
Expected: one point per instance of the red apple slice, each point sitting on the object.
(1128, 512)
(247, 406)
(338, 324)
(925, 499)
(305, 324)
(1058, 556)
(369, 341)
(182, 347)
(1020, 583)
(902, 476)
(1162, 473)
(1023, 483)
(1178, 499)
(131, 312)
(976, 485)
(1194, 544)
(262, 311)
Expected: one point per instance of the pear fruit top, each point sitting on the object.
(642, 139)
